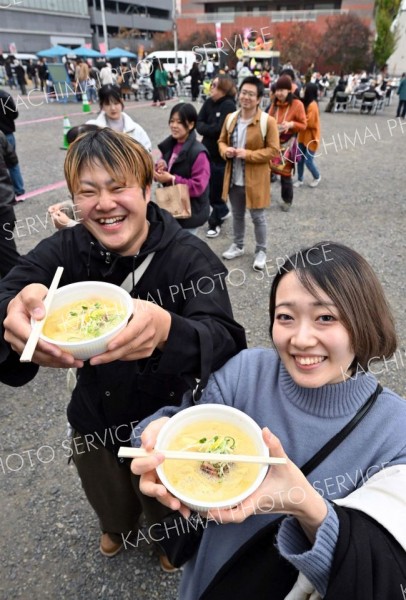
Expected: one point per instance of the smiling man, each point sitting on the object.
(182, 326)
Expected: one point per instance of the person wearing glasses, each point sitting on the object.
(248, 147)
(209, 123)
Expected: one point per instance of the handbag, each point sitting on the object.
(289, 155)
(257, 567)
(175, 199)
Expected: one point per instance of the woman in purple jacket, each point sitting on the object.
(185, 160)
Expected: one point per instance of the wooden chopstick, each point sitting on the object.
(125, 452)
(32, 341)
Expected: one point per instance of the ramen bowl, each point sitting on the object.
(85, 316)
(206, 485)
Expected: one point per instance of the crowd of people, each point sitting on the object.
(328, 319)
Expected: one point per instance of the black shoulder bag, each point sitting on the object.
(257, 570)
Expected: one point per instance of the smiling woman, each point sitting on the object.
(327, 316)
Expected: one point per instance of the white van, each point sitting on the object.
(167, 60)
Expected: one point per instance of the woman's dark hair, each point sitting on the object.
(348, 279)
(226, 85)
(252, 80)
(289, 72)
(76, 131)
(109, 92)
(310, 94)
(186, 112)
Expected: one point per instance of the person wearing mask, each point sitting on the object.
(209, 124)
(112, 115)
(186, 160)
(309, 138)
(248, 141)
(290, 117)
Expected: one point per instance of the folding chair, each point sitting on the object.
(341, 101)
(369, 103)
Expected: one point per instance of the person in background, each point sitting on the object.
(290, 117)
(309, 138)
(171, 88)
(43, 73)
(401, 92)
(209, 124)
(195, 81)
(106, 75)
(81, 77)
(112, 115)
(341, 528)
(8, 250)
(32, 73)
(171, 339)
(8, 115)
(185, 160)
(155, 66)
(248, 141)
(63, 214)
(10, 72)
(242, 73)
(161, 82)
(20, 76)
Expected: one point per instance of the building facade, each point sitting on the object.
(237, 16)
(33, 25)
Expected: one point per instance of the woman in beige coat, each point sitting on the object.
(248, 140)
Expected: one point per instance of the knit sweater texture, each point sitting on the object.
(256, 382)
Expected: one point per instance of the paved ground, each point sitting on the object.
(48, 532)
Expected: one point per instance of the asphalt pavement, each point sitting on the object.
(49, 534)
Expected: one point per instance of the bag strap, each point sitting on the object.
(263, 123)
(341, 435)
(133, 278)
(230, 119)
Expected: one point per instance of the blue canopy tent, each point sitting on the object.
(120, 53)
(54, 51)
(86, 52)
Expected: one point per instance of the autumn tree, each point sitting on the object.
(163, 41)
(347, 43)
(197, 38)
(386, 34)
(297, 43)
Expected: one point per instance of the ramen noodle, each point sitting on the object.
(212, 481)
(83, 320)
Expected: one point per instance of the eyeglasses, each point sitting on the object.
(248, 94)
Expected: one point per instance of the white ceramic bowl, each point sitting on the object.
(211, 412)
(83, 290)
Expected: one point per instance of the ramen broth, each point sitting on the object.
(84, 320)
(188, 477)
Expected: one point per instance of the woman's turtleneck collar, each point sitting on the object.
(328, 401)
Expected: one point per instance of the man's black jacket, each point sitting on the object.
(185, 277)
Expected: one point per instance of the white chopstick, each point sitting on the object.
(125, 452)
(32, 341)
